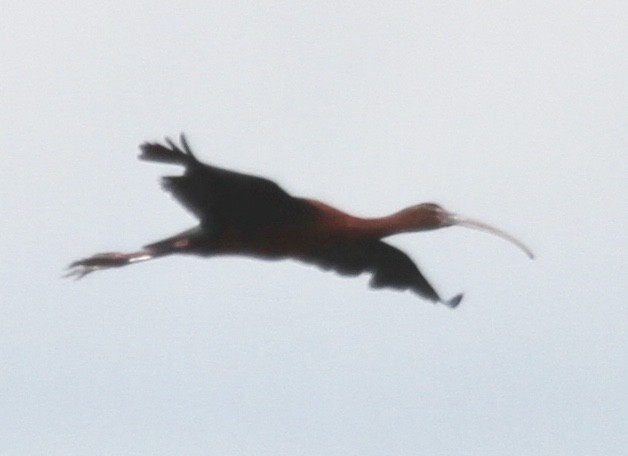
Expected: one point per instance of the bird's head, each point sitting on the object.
(428, 216)
(431, 216)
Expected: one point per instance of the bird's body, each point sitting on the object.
(241, 214)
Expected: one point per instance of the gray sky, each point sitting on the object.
(511, 112)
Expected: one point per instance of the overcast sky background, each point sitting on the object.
(512, 112)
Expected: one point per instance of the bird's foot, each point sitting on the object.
(81, 268)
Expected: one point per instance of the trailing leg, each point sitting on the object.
(106, 260)
(184, 242)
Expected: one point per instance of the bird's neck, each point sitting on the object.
(345, 225)
(404, 221)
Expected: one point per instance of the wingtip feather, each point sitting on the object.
(453, 302)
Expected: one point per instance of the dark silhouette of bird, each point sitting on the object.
(249, 215)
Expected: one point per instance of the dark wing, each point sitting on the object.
(221, 197)
(389, 266)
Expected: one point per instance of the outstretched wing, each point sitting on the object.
(389, 266)
(223, 197)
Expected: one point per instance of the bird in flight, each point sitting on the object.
(240, 214)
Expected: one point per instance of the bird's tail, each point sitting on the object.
(173, 155)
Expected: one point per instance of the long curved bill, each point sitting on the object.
(456, 219)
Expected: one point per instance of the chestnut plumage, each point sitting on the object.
(240, 214)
